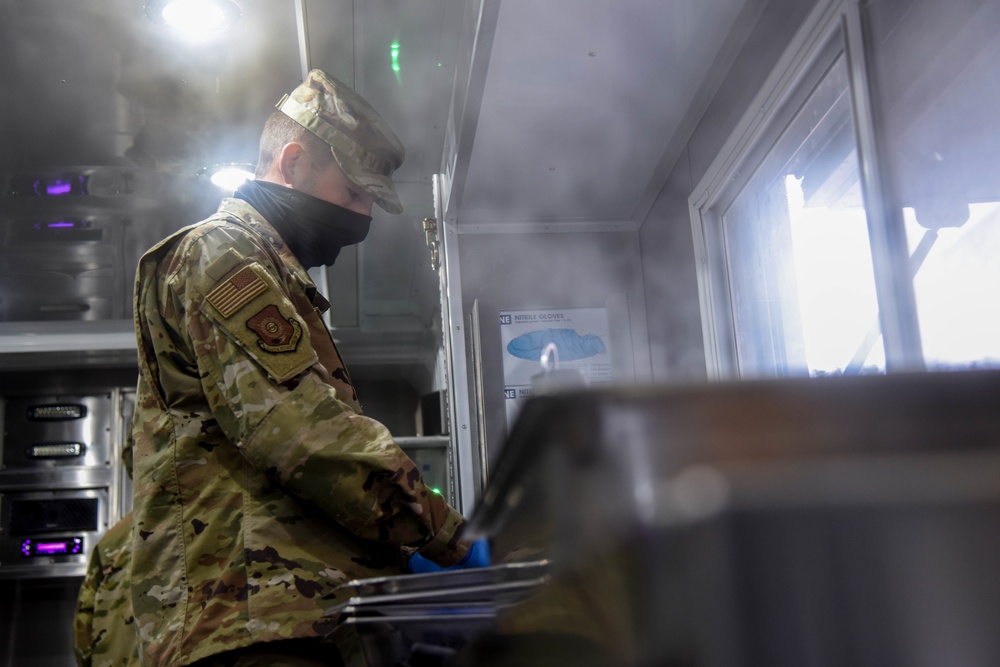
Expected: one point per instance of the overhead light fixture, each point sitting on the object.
(193, 17)
(228, 176)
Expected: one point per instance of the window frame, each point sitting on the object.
(742, 154)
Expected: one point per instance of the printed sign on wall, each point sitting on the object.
(579, 334)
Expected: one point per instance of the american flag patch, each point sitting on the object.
(233, 293)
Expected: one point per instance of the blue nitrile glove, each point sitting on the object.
(478, 555)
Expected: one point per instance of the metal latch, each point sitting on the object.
(431, 237)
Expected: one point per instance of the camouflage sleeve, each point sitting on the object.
(128, 451)
(103, 632)
(256, 363)
(83, 619)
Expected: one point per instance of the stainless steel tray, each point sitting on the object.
(451, 594)
(438, 614)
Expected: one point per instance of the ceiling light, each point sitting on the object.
(230, 176)
(193, 17)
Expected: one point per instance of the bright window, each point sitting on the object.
(937, 90)
(796, 240)
(861, 193)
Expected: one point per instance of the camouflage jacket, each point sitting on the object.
(103, 627)
(259, 485)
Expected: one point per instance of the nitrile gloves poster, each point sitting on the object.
(580, 337)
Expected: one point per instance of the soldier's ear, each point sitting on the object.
(290, 162)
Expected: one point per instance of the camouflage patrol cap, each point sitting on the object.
(362, 142)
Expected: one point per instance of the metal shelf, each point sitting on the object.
(423, 441)
(99, 335)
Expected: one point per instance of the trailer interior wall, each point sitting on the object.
(668, 262)
(555, 271)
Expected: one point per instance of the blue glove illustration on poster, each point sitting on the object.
(571, 345)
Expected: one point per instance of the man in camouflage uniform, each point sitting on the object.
(259, 485)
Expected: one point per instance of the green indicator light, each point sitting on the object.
(436, 490)
(394, 52)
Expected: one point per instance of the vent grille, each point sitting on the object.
(28, 517)
(57, 412)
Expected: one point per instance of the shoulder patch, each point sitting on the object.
(218, 269)
(258, 317)
(275, 332)
(236, 291)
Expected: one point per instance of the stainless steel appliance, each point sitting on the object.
(61, 483)
(61, 486)
(836, 521)
(50, 533)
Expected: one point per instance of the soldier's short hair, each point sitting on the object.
(279, 131)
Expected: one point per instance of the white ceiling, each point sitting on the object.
(580, 103)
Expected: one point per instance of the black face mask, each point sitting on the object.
(315, 230)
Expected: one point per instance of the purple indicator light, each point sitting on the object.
(59, 187)
(53, 547)
(60, 225)
(50, 548)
